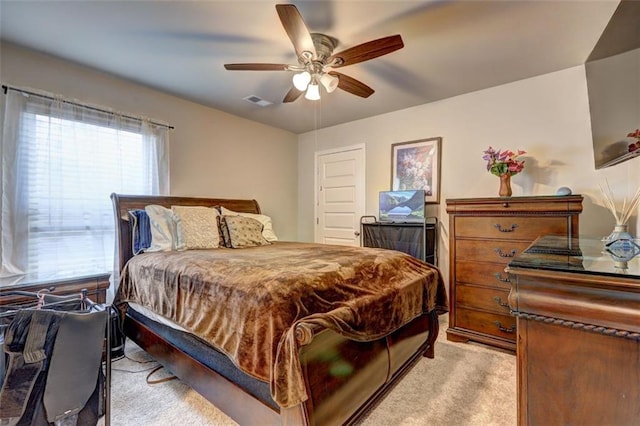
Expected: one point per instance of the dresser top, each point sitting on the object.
(525, 199)
(585, 255)
(27, 280)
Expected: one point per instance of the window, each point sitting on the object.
(61, 162)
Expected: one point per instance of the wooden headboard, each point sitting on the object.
(123, 203)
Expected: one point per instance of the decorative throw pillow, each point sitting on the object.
(225, 239)
(244, 231)
(140, 231)
(197, 227)
(163, 228)
(267, 230)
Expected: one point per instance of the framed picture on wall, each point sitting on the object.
(416, 165)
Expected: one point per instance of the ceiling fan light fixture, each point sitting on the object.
(301, 80)
(330, 82)
(313, 92)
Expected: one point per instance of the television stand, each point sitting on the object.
(419, 239)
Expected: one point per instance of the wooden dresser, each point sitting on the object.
(95, 284)
(484, 236)
(578, 314)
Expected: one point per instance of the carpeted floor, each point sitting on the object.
(466, 384)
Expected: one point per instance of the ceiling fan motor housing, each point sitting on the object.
(324, 45)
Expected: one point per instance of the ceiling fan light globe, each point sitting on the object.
(313, 92)
(330, 82)
(301, 80)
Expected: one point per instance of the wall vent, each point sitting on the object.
(257, 100)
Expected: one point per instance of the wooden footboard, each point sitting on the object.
(223, 393)
(345, 379)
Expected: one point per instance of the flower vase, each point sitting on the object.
(505, 185)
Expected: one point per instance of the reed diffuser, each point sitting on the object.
(622, 216)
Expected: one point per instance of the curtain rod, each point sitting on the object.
(6, 88)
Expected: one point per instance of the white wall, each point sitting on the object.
(548, 116)
(212, 153)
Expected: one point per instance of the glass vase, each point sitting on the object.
(620, 232)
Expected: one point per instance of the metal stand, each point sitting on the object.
(78, 303)
(419, 239)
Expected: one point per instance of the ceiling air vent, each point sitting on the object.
(257, 100)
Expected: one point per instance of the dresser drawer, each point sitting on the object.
(497, 325)
(496, 251)
(510, 227)
(482, 298)
(489, 274)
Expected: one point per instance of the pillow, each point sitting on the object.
(267, 230)
(163, 228)
(244, 231)
(225, 240)
(140, 231)
(196, 227)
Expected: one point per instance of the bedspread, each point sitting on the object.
(247, 302)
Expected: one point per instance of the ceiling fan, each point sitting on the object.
(316, 60)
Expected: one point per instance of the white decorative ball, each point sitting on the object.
(563, 190)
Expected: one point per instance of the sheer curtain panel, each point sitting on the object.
(60, 163)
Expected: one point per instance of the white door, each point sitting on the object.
(340, 186)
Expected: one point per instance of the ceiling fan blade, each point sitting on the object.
(257, 67)
(365, 51)
(296, 29)
(351, 85)
(292, 95)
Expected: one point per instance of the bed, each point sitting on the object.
(349, 326)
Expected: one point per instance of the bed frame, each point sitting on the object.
(377, 365)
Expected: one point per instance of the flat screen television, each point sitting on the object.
(401, 206)
(613, 83)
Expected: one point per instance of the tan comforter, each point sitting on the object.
(246, 302)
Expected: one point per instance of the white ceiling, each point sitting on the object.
(451, 47)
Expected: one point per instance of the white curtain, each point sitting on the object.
(60, 163)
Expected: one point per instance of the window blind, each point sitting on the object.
(68, 159)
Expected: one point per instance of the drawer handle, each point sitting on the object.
(503, 329)
(501, 229)
(499, 301)
(499, 278)
(501, 254)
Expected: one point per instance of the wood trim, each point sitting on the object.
(580, 326)
(521, 370)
